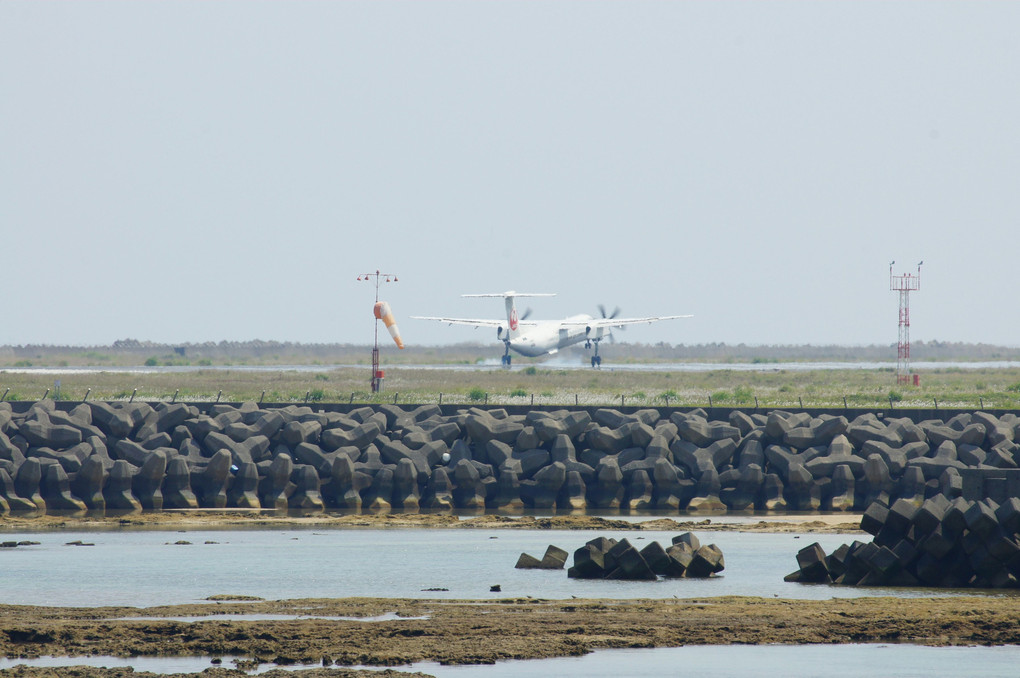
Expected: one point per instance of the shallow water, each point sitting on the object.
(739, 661)
(718, 661)
(147, 568)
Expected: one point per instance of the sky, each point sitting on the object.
(208, 171)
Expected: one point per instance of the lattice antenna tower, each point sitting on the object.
(904, 284)
(377, 375)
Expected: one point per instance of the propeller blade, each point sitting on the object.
(610, 316)
(527, 312)
(602, 310)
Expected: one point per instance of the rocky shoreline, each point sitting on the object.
(484, 631)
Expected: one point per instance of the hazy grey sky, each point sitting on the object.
(193, 171)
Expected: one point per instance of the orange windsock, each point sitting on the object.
(382, 312)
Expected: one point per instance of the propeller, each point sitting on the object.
(610, 316)
(527, 312)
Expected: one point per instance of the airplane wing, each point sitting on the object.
(472, 322)
(618, 322)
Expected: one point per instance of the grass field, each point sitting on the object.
(773, 387)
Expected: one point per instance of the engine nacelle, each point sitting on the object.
(499, 332)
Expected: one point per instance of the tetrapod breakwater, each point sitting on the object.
(58, 456)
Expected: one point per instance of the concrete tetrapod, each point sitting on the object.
(603, 558)
(941, 543)
(674, 461)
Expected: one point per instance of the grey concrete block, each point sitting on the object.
(176, 486)
(117, 491)
(483, 428)
(147, 482)
(468, 491)
(56, 491)
(379, 495)
(438, 491)
(88, 483)
(275, 487)
(406, 494)
(842, 489)
(306, 495)
(707, 561)
(26, 483)
(573, 493)
(297, 432)
(608, 491)
(507, 495)
(343, 492)
(42, 433)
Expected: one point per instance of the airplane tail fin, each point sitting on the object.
(513, 328)
(512, 319)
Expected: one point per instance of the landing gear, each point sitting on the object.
(596, 360)
(505, 360)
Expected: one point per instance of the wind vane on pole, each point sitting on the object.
(381, 310)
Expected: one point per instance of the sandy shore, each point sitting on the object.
(203, 519)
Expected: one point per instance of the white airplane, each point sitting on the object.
(534, 338)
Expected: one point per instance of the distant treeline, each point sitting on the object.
(919, 350)
(284, 352)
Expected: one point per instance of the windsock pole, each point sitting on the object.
(377, 374)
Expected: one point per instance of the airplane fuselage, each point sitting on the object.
(534, 339)
(550, 337)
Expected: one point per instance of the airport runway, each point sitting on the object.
(494, 365)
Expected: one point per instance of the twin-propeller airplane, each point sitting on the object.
(534, 338)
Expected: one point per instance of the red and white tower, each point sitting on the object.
(904, 284)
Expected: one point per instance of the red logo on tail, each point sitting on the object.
(513, 320)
